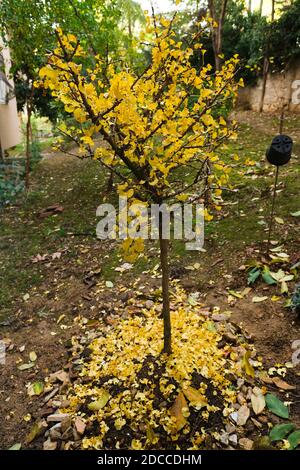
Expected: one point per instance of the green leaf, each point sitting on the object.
(253, 275)
(211, 326)
(26, 366)
(276, 406)
(16, 446)
(294, 439)
(280, 431)
(268, 279)
(38, 388)
(295, 214)
(101, 402)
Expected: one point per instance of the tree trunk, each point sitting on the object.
(164, 249)
(1, 154)
(264, 84)
(266, 67)
(261, 7)
(28, 141)
(217, 32)
(110, 182)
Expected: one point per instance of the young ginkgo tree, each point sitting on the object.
(158, 126)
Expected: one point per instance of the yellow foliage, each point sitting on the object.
(147, 120)
(127, 359)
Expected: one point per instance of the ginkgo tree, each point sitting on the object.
(158, 126)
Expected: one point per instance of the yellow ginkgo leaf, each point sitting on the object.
(195, 397)
(247, 366)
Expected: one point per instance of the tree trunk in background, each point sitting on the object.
(273, 10)
(266, 67)
(1, 154)
(110, 182)
(249, 6)
(261, 7)
(164, 250)
(28, 140)
(217, 32)
(264, 84)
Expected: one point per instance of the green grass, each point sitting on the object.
(79, 188)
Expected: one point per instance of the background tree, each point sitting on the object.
(217, 11)
(154, 130)
(28, 28)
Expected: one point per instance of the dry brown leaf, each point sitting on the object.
(263, 375)
(258, 402)
(177, 410)
(282, 384)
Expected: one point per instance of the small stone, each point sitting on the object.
(60, 375)
(68, 434)
(245, 443)
(57, 417)
(240, 383)
(243, 415)
(46, 411)
(230, 428)
(80, 425)
(65, 403)
(56, 403)
(66, 423)
(233, 439)
(230, 337)
(224, 438)
(51, 394)
(49, 445)
(220, 316)
(149, 304)
(54, 434)
(234, 416)
(241, 399)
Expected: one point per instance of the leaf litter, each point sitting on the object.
(124, 394)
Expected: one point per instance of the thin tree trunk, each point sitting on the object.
(110, 182)
(281, 120)
(264, 84)
(217, 33)
(164, 249)
(28, 141)
(1, 154)
(261, 7)
(266, 67)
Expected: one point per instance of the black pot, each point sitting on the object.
(280, 151)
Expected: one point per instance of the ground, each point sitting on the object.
(54, 272)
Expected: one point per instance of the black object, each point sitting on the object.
(280, 151)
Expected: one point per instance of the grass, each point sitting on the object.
(80, 187)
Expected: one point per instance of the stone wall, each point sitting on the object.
(282, 89)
